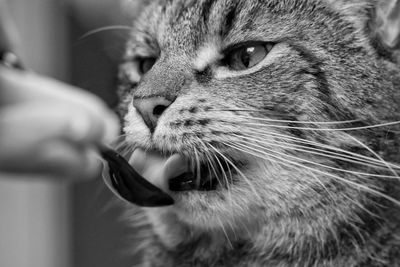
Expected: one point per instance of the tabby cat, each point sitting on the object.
(274, 125)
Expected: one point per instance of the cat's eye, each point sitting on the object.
(145, 64)
(247, 56)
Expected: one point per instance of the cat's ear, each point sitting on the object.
(387, 23)
(379, 18)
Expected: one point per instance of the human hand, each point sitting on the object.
(50, 129)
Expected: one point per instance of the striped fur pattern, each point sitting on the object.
(310, 134)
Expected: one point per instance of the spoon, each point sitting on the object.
(129, 184)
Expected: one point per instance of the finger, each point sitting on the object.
(57, 161)
(26, 126)
(61, 161)
(21, 87)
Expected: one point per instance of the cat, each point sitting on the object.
(282, 117)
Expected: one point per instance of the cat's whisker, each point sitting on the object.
(266, 112)
(225, 233)
(229, 188)
(315, 163)
(209, 156)
(360, 235)
(324, 187)
(105, 28)
(238, 171)
(210, 160)
(323, 129)
(325, 153)
(309, 146)
(351, 200)
(213, 169)
(232, 228)
(118, 139)
(192, 165)
(289, 147)
(197, 167)
(229, 170)
(362, 207)
(244, 109)
(261, 154)
(122, 135)
(327, 147)
(208, 164)
(289, 164)
(298, 122)
(226, 180)
(125, 149)
(375, 154)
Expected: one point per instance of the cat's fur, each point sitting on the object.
(328, 65)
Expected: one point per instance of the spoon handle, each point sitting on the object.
(129, 184)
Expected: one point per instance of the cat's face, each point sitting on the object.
(249, 93)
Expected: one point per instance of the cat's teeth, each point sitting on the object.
(183, 182)
(158, 169)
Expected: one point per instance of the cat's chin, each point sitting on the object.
(202, 209)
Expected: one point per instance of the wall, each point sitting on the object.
(34, 228)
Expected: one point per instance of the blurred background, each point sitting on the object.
(44, 224)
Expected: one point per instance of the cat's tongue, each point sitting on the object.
(158, 169)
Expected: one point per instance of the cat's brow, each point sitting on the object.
(205, 8)
(228, 12)
(230, 19)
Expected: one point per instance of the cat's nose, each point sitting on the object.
(151, 109)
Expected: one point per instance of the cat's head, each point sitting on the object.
(268, 102)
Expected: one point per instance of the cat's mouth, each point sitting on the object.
(178, 173)
(204, 177)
